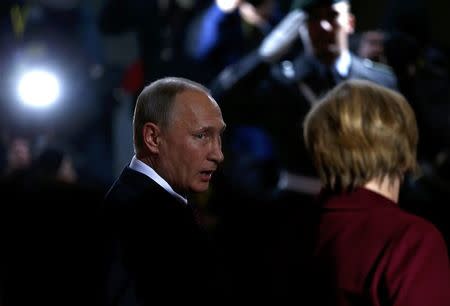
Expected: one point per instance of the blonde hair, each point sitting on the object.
(360, 131)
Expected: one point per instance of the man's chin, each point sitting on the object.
(202, 187)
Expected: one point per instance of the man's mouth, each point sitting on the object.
(206, 175)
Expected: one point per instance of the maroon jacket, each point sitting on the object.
(370, 252)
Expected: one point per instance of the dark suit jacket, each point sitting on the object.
(158, 252)
(367, 251)
(51, 243)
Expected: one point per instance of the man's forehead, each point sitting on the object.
(195, 100)
(195, 106)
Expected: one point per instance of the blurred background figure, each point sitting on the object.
(272, 92)
(227, 30)
(54, 164)
(18, 156)
(371, 46)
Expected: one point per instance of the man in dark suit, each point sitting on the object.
(161, 253)
(273, 89)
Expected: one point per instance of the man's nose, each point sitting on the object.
(216, 153)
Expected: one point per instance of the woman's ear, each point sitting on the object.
(151, 133)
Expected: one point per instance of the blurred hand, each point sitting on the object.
(251, 14)
(278, 42)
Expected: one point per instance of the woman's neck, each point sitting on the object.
(385, 186)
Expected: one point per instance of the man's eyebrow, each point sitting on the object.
(210, 129)
(204, 129)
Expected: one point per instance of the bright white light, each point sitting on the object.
(227, 5)
(38, 88)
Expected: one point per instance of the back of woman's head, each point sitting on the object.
(361, 131)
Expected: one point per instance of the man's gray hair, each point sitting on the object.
(155, 103)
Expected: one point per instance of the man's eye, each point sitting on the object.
(200, 135)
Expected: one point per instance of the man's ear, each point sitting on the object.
(152, 134)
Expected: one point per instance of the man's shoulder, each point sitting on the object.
(132, 187)
(376, 67)
(373, 71)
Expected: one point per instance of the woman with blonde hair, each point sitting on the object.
(362, 138)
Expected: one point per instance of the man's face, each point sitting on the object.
(19, 155)
(372, 46)
(325, 34)
(191, 146)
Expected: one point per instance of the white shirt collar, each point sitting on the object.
(342, 63)
(145, 169)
